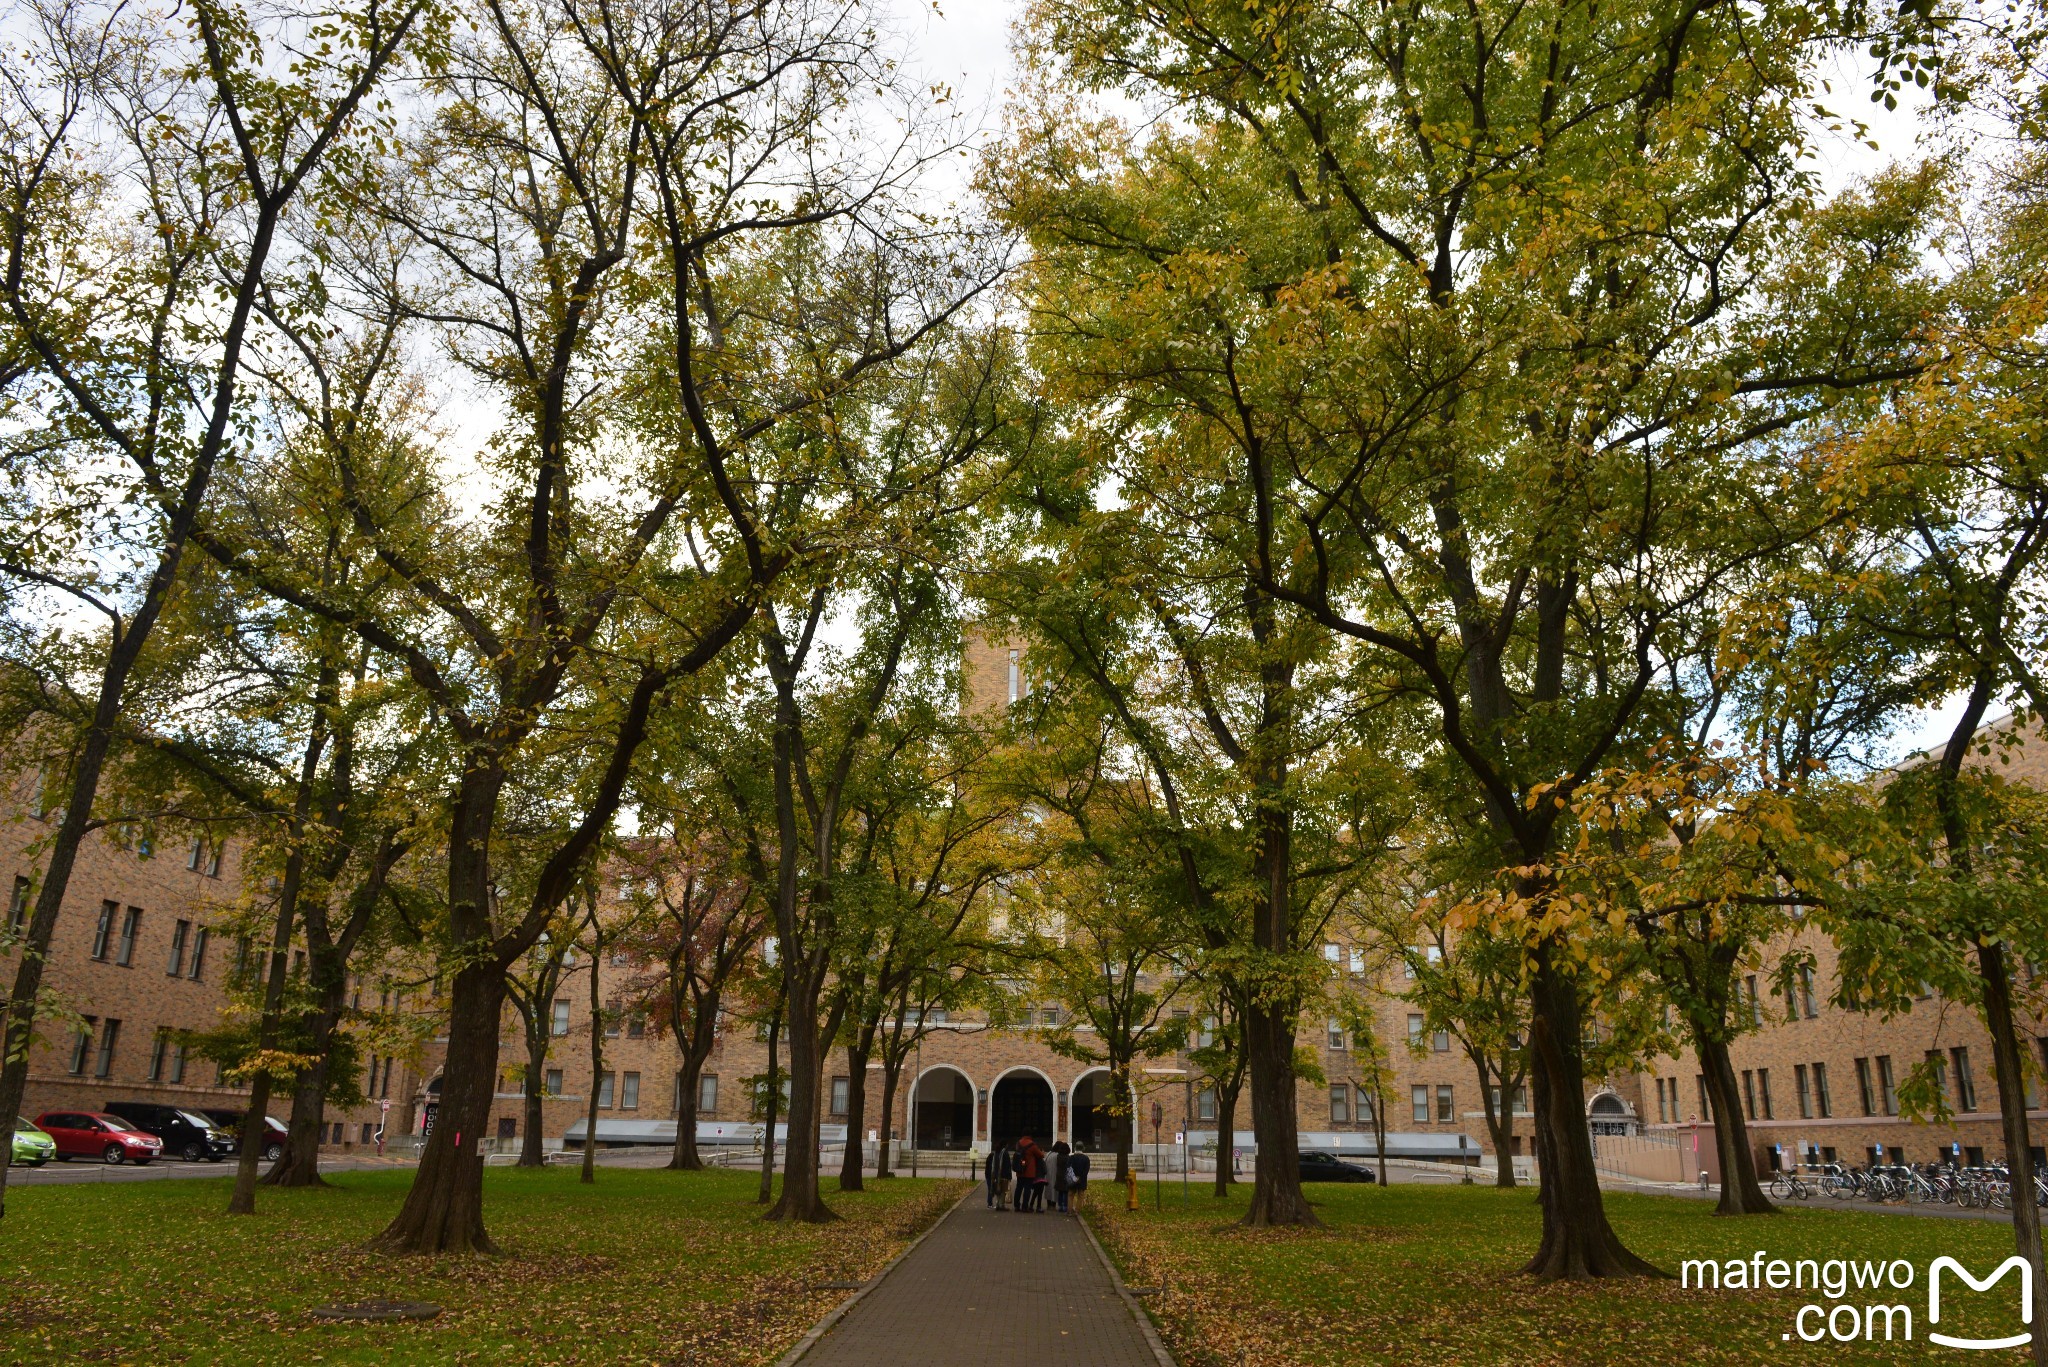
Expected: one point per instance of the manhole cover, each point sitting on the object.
(378, 1310)
(838, 1286)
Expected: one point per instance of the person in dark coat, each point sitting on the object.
(1077, 1176)
(992, 1173)
(1060, 1175)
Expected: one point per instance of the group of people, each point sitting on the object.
(1027, 1170)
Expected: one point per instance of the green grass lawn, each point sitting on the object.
(1428, 1274)
(643, 1267)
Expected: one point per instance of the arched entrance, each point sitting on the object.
(945, 1109)
(1095, 1118)
(1021, 1104)
(1609, 1114)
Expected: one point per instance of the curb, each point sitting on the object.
(1145, 1325)
(838, 1312)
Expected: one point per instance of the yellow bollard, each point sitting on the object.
(1130, 1191)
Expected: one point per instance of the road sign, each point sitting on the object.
(384, 1106)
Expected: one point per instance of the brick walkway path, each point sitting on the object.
(991, 1289)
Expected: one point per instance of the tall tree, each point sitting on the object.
(135, 340)
(1474, 328)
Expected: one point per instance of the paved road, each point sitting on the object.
(995, 1289)
(79, 1170)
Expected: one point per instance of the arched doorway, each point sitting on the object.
(945, 1110)
(1609, 1114)
(1095, 1119)
(1021, 1104)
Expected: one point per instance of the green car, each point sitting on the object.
(32, 1148)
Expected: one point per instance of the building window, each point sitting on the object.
(1937, 1068)
(1358, 963)
(370, 1129)
(158, 1049)
(1763, 1091)
(1205, 1104)
(1440, 1041)
(1800, 1085)
(1016, 677)
(1336, 1033)
(604, 1091)
(1049, 1016)
(180, 933)
(1806, 1003)
(192, 860)
(707, 1094)
(1333, 952)
(17, 906)
(552, 1086)
(1887, 1093)
(1822, 1102)
(1749, 1093)
(103, 932)
(177, 1062)
(1415, 1030)
(1756, 1006)
(1365, 1107)
(636, 1027)
(1419, 1095)
(561, 1018)
(1863, 1091)
(198, 954)
(131, 928)
(842, 1095)
(1706, 1102)
(1444, 1111)
(629, 1092)
(110, 1035)
(81, 1046)
(1966, 1084)
(1340, 1104)
(611, 1028)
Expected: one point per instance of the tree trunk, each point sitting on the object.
(242, 1200)
(531, 1152)
(1500, 1125)
(1276, 1181)
(892, 1073)
(1577, 1240)
(1226, 1137)
(1740, 1194)
(1379, 1133)
(773, 1105)
(853, 1163)
(596, 1056)
(17, 1026)
(2009, 1067)
(300, 1165)
(685, 1158)
(801, 1199)
(444, 1210)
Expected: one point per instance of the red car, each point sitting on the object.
(93, 1134)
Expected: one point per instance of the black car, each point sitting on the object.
(186, 1134)
(1327, 1167)
(275, 1131)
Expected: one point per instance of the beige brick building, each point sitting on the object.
(142, 949)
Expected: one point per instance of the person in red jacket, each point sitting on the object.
(1030, 1167)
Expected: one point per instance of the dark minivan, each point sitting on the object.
(186, 1134)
